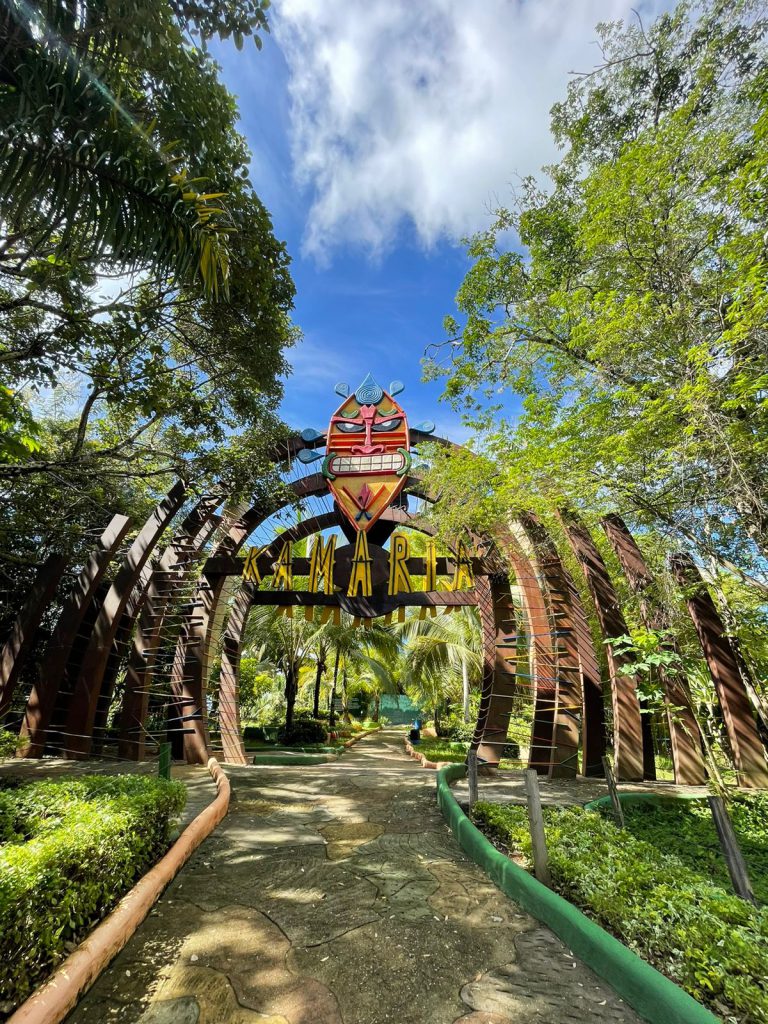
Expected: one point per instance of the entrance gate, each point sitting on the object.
(538, 637)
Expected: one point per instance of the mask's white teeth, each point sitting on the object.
(388, 463)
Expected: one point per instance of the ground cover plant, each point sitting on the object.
(695, 931)
(455, 751)
(685, 830)
(69, 849)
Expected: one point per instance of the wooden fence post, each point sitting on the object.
(731, 849)
(618, 810)
(536, 825)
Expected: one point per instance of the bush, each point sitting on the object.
(304, 730)
(455, 728)
(709, 941)
(71, 848)
(8, 743)
(253, 734)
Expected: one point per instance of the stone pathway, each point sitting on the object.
(336, 895)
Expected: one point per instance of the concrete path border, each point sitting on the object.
(644, 988)
(72, 978)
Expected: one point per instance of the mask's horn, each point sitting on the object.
(342, 389)
(309, 434)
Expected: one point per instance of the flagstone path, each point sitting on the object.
(335, 894)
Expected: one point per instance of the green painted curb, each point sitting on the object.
(655, 799)
(653, 996)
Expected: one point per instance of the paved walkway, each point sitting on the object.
(336, 895)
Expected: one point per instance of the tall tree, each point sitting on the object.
(631, 318)
(144, 300)
(137, 264)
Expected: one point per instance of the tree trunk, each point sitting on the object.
(344, 698)
(376, 707)
(331, 711)
(436, 719)
(465, 687)
(318, 680)
(290, 696)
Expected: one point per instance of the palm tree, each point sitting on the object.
(441, 657)
(288, 640)
(87, 159)
(380, 665)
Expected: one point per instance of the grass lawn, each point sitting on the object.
(454, 751)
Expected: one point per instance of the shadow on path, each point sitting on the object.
(335, 893)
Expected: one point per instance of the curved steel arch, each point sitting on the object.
(564, 665)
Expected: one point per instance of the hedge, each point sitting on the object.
(69, 849)
(710, 942)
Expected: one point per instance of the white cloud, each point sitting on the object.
(423, 112)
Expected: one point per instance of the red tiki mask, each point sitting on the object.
(367, 458)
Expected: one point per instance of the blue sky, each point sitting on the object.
(382, 132)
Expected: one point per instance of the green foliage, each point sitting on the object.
(630, 320)
(144, 299)
(685, 830)
(455, 728)
(442, 750)
(709, 941)
(71, 848)
(86, 157)
(8, 744)
(303, 730)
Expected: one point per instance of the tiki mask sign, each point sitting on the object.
(367, 454)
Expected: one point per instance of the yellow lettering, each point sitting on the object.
(462, 575)
(360, 580)
(321, 565)
(430, 562)
(399, 552)
(283, 578)
(251, 567)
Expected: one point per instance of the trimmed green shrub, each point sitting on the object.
(71, 848)
(713, 944)
(8, 744)
(253, 734)
(304, 730)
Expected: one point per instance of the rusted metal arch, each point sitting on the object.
(739, 719)
(633, 749)
(575, 690)
(189, 732)
(167, 580)
(188, 727)
(499, 639)
(19, 643)
(81, 714)
(685, 737)
(42, 698)
(578, 671)
(229, 680)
